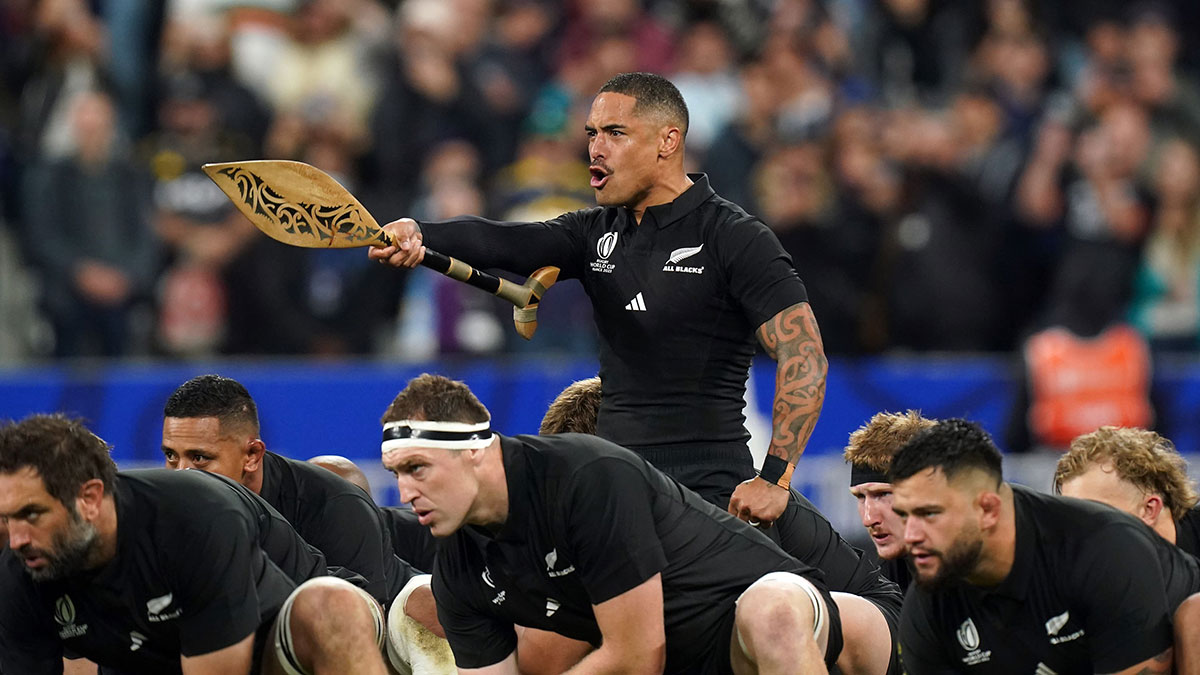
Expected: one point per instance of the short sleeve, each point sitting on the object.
(919, 649)
(27, 641)
(477, 638)
(215, 572)
(760, 273)
(1120, 585)
(610, 528)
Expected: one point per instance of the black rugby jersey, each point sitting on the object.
(1092, 590)
(201, 563)
(411, 540)
(588, 521)
(676, 301)
(339, 519)
(1187, 532)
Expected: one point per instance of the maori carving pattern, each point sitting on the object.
(318, 221)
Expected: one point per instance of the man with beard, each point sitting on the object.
(1009, 580)
(118, 568)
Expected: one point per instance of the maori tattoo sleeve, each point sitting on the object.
(791, 338)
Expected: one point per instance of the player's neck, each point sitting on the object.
(1165, 526)
(664, 191)
(253, 480)
(490, 508)
(999, 545)
(106, 528)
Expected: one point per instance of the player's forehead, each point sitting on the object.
(22, 488)
(928, 486)
(611, 108)
(1097, 477)
(870, 489)
(196, 433)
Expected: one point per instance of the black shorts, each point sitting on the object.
(714, 479)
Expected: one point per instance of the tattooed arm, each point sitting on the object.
(791, 338)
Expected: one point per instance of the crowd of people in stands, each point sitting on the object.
(946, 175)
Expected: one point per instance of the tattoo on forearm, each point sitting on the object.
(794, 341)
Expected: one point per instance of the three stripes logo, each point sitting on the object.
(551, 606)
(637, 304)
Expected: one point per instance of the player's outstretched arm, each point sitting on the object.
(236, 658)
(633, 633)
(1155, 665)
(792, 338)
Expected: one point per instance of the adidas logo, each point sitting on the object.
(637, 304)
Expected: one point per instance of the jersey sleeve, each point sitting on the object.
(1121, 587)
(476, 636)
(759, 272)
(610, 528)
(28, 643)
(215, 565)
(520, 248)
(920, 652)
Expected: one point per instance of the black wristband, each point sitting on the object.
(775, 468)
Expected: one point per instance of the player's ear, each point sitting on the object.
(255, 449)
(989, 508)
(670, 141)
(1152, 507)
(88, 498)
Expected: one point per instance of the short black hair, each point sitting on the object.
(213, 396)
(952, 445)
(654, 94)
(62, 451)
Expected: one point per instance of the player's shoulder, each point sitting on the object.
(167, 488)
(568, 453)
(311, 479)
(1057, 517)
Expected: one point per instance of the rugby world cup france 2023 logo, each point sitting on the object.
(605, 246)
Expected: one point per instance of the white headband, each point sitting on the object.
(426, 434)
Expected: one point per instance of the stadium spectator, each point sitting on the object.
(210, 423)
(1008, 578)
(1138, 472)
(575, 535)
(94, 548)
(94, 244)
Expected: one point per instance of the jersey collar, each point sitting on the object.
(518, 520)
(1016, 584)
(690, 200)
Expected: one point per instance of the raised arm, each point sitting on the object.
(792, 338)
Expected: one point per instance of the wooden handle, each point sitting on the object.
(456, 269)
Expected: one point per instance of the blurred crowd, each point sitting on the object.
(948, 175)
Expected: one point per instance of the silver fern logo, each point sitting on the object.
(1056, 623)
(682, 253)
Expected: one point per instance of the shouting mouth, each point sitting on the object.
(599, 177)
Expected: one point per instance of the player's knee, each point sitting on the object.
(328, 604)
(775, 613)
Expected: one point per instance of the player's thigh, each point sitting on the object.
(282, 654)
(867, 639)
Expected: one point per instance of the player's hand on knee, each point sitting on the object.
(407, 250)
(758, 502)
